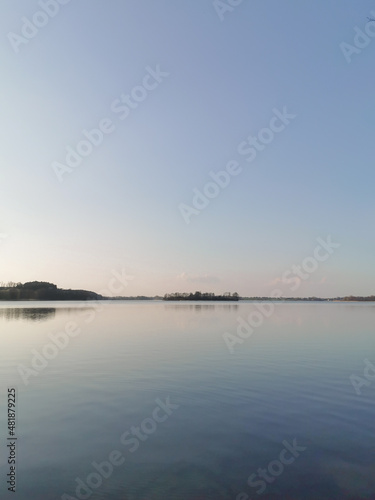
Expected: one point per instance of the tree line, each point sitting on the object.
(201, 296)
(42, 290)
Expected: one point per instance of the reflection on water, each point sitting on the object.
(31, 314)
(38, 313)
(289, 380)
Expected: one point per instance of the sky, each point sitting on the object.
(176, 91)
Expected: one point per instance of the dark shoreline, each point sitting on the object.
(45, 291)
(241, 299)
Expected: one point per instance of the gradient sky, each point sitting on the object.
(120, 208)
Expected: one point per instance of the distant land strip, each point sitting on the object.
(42, 290)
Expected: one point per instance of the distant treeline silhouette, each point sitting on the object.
(201, 296)
(42, 290)
(350, 298)
(370, 298)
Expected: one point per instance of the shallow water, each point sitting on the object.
(230, 413)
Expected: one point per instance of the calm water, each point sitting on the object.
(229, 414)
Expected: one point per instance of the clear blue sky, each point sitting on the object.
(119, 209)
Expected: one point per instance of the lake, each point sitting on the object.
(153, 400)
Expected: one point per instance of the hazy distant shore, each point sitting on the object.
(44, 291)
